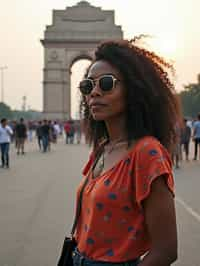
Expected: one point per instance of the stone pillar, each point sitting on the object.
(67, 93)
(56, 81)
(74, 34)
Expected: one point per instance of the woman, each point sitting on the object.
(129, 111)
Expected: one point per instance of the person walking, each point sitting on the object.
(45, 130)
(185, 139)
(56, 131)
(196, 137)
(30, 130)
(21, 135)
(176, 152)
(51, 133)
(129, 109)
(67, 128)
(77, 126)
(39, 134)
(5, 139)
(71, 132)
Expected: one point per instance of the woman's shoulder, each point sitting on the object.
(148, 146)
(147, 142)
(149, 149)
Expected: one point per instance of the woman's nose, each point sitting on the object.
(96, 91)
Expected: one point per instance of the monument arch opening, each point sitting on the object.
(77, 74)
(74, 34)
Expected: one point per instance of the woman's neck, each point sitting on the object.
(116, 129)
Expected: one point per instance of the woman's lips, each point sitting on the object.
(96, 106)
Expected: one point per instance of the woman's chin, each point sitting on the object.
(98, 117)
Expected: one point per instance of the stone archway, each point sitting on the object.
(73, 35)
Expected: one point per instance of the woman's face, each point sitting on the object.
(106, 105)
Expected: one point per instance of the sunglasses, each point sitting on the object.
(106, 83)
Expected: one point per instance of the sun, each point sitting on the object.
(164, 46)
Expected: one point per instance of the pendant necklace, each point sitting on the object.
(109, 149)
(115, 144)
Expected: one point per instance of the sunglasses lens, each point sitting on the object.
(86, 86)
(106, 83)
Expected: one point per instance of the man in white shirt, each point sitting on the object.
(5, 139)
(56, 131)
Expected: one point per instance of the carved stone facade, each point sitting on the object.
(73, 35)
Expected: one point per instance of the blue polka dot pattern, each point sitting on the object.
(110, 253)
(127, 161)
(153, 152)
(99, 206)
(107, 182)
(85, 227)
(90, 241)
(112, 196)
(126, 208)
(112, 222)
(130, 229)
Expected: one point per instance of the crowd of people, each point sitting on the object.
(44, 131)
(47, 132)
(188, 132)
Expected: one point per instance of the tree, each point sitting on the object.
(5, 111)
(190, 98)
(28, 115)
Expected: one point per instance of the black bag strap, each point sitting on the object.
(78, 208)
(79, 202)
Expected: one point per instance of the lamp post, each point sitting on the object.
(2, 82)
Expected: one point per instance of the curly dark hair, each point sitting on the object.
(152, 104)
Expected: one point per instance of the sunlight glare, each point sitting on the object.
(78, 70)
(164, 46)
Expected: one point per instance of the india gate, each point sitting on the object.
(73, 35)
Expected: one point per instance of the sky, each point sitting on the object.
(174, 25)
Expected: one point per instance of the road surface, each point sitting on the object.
(37, 202)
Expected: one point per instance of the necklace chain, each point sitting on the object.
(109, 148)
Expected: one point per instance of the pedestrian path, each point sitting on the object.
(37, 205)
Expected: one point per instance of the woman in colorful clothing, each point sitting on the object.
(129, 110)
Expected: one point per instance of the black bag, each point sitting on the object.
(69, 244)
(67, 252)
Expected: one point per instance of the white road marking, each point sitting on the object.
(188, 209)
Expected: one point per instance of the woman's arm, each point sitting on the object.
(161, 225)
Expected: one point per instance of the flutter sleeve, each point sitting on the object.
(152, 161)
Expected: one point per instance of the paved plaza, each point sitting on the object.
(37, 201)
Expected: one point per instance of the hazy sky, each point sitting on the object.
(174, 23)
